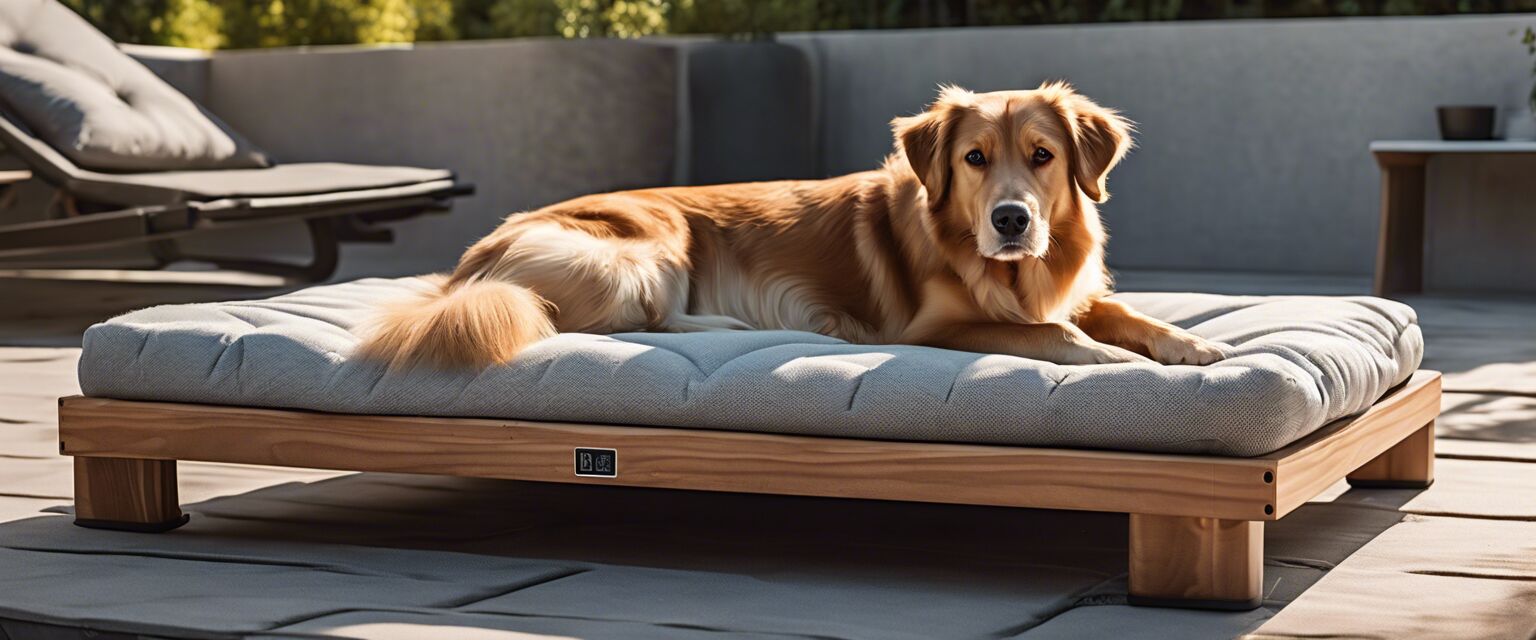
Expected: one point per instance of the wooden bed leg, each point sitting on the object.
(1196, 563)
(126, 494)
(1409, 464)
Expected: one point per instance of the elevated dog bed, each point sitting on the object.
(1314, 389)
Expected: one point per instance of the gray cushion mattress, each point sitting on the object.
(1296, 364)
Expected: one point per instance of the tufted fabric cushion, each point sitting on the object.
(1297, 363)
(103, 110)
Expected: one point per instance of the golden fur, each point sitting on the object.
(907, 253)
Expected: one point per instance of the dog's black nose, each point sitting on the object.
(1010, 219)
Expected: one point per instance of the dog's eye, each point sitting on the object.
(975, 158)
(1041, 156)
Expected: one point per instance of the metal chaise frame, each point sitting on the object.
(143, 215)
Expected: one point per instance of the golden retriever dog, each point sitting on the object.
(979, 233)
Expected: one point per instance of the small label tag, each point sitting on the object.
(597, 463)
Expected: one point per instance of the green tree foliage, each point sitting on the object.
(188, 23)
(269, 23)
(209, 24)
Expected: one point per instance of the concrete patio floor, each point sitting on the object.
(293, 553)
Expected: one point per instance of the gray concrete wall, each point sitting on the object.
(1253, 134)
(750, 113)
(185, 69)
(529, 122)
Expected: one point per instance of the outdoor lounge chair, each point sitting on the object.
(138, 162)
(1315, 389)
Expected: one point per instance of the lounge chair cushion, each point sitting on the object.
(100, 108)
(285, 180)
(1296, 364)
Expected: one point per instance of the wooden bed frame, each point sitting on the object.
(1196, 522)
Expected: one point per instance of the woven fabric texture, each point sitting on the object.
(1296, 364)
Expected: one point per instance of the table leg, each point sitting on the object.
(1400, 254)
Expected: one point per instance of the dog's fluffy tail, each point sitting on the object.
(460, 326)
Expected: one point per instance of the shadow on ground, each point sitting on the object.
(385, 549)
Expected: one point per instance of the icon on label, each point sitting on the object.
(597, 463)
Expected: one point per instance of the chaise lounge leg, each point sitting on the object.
(1409, 464)
(1196, 563)
(126, 494)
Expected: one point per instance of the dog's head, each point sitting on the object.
(1004, 167)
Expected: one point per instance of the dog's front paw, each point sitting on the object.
(1101, 354)
(1185, 348)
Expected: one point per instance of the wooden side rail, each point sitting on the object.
(1232, 488)
(1196, 524)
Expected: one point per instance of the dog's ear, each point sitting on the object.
(921, 138)
(1100, 138)
(925, 140)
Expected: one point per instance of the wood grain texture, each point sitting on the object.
(1410, 463)
(127, 491)
(1206, 562)
(1309, 465)
(673, 458)
(1400, 246)
(1262, 488)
